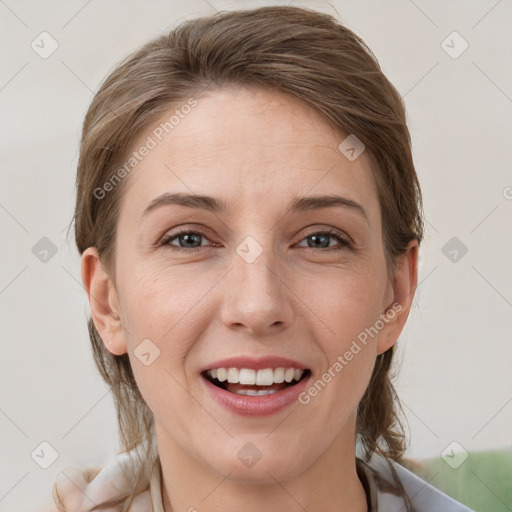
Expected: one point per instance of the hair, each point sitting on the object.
(300, 52)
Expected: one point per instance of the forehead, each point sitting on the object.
(250, 148)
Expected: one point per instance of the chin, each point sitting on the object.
(252, 466)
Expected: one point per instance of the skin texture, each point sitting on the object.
(256, 150)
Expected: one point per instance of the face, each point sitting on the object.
(259, 278)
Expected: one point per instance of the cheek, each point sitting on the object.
(161, 312)
(161, 302)
(162, 307)
(350, 304)
(349, 309)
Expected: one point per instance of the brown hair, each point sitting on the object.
(303, 53)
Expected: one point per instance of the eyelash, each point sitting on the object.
(332, 232)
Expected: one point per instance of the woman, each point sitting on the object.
(249, 219)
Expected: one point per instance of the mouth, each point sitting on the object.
(246, 381)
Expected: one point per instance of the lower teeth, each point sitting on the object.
(254, 392)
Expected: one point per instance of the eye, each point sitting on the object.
(320, 238)
(189, 238)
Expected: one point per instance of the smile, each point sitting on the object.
(247, 381)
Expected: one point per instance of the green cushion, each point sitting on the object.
(482, 482)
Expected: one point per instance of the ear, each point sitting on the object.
(103, 302)
(403, 287)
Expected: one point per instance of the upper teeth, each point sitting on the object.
(265, 377)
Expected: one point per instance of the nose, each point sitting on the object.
(256, 295)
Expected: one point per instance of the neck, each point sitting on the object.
(329, 483)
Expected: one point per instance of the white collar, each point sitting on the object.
(423, 496)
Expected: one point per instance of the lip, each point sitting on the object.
(255, 363)
(259, 405)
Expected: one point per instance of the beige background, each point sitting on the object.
(455, 379)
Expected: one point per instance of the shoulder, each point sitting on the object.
(423, 496)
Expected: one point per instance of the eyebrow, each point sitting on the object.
(212, 204)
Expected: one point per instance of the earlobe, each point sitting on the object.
(103, 302)
(404, 287)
